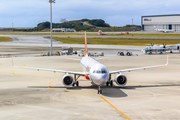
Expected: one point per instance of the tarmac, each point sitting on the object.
(151, 94)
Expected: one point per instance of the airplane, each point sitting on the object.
(94, 71)
(162, 30)
(101, 33)
(170, 48)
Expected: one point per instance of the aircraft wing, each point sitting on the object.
(52, 70)
(140, 68)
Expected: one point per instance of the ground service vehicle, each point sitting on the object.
(124, 53)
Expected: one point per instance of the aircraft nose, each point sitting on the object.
(99, 80)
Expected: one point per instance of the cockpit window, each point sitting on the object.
(99, 72)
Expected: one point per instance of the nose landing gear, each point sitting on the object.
(99, 90)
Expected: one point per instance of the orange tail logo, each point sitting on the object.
(86, 52)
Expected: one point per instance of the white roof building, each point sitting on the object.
(170, 22)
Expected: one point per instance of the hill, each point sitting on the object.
(83, 25)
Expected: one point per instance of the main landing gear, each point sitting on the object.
(109, 83)
(76, 82)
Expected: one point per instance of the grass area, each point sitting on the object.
(45, 30)
(5, 39)
(95, 34)
(118, 41)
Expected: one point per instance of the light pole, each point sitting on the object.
(12, 27)
(132, 21)
(51, 1)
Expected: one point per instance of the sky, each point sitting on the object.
(23, 13)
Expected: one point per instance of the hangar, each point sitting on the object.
(171, 22)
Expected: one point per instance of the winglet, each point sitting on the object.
(167, 60)
(86, 52)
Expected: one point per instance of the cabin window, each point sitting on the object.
(99, 72)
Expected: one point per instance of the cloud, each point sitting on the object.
(115, 12)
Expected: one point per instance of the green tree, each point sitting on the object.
(43, 25)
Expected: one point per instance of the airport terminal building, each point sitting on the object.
(171, 22)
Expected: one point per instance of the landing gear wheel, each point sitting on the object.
(99, 91)
(111, 83)
(73, 84)
(128, 54)
(171, 52)
(122, 54)
(107, 84)
(77, 83)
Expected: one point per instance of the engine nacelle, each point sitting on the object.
(68, 80)
(121, 79)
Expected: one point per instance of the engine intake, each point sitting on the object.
(68, 80)
(121, 79)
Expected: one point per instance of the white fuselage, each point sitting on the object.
(163, 30)
(172, 47)
(98, 73)
(166, 47)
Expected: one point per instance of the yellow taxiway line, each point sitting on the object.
(68, 91)
(75, 93)
(115, 108)
(89, 95)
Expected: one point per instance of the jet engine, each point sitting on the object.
(121, 79)
(68, 80)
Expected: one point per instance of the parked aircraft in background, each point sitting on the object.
(162, 30)
(170, 48)
(101, 33)
(94, 71)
